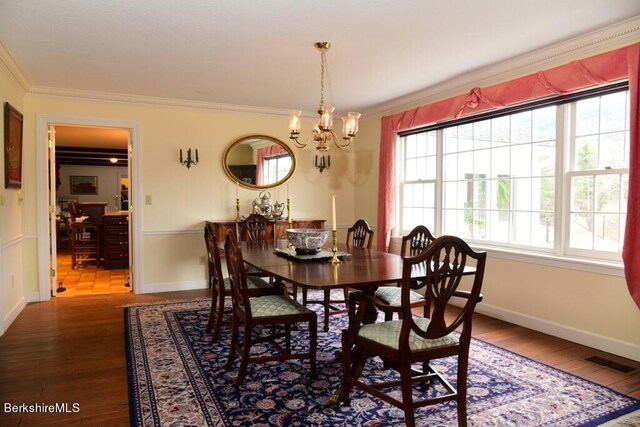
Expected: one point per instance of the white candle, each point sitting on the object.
(333, 213)
(288, 191)
(237, 190)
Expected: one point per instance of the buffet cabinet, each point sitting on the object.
(281, 227)
(116, 241)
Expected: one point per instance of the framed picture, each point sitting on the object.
(12, 147)
(84, 184)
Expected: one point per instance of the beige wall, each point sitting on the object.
(12, 239)
(182, 199)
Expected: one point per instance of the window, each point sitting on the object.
(503, 180)
(275, 168)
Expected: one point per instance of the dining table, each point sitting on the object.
(360, 268)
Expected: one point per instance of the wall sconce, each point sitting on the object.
(189, 160)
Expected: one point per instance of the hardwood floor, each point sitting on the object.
(71, 350)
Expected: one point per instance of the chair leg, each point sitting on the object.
(346, 297)
(304, 296)
(219, 316)
(287, 337)
(234, 343)
(327, 298)
(407, 399)
(313, 344)
(246, 350)
(212, 312)
(462, 388)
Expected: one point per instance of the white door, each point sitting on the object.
(130, 207)
(51, 141)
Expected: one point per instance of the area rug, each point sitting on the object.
(177, 378)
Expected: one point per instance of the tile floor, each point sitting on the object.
(87, 279)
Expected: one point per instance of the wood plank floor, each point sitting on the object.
(71, 350)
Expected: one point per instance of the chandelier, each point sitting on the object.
(322, 132)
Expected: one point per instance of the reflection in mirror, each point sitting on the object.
(258, 161)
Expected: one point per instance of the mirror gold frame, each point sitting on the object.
(235, 178)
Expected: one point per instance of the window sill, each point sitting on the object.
(609, 268)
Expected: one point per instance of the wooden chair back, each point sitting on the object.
(237, 277)
(74, 209)
(416, 241)
(256, 228)
(360, 235)
(213, 258)
(443, 265)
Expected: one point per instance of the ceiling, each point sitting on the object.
(260, 53)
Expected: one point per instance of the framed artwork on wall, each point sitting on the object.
(87, 185)
(12, 147)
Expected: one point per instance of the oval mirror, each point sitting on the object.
(258, 162)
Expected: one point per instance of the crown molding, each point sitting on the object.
(605, 39)
(10, 68)
(119, 98)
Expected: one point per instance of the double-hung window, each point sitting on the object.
(548, 178)
(275, 168)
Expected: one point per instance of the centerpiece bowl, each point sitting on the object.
(307, 241)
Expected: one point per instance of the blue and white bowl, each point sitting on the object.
(307, 240)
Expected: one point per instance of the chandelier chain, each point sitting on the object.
(322, 52)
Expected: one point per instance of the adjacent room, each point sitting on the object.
(320, 213)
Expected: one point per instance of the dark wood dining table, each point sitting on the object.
(363, 269)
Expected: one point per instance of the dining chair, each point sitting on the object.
(410, 340)
(272, 310)
(358, 235)
(221, 286)
(256, 228)
(412, 244)
(85, 243)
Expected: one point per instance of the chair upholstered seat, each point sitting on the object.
(276, 305)
(391, 295)
(253, 282)
(388, 333)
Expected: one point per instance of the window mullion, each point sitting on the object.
(565, 138)
(438, 206)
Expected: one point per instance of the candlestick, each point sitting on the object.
(237, 210)
(289, 219)
(334, 259)
(333, 213)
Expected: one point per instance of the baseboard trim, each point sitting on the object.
(600, 342)
(31, 297)
(149, 288)
(12, 315)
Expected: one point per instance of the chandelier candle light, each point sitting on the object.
(323, 132)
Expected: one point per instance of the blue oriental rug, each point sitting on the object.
(177, 378)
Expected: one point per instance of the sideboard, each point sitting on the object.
(281, 226)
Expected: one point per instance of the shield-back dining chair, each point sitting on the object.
(221, 286)
(272, 310)
(403, 342)
(412, 244)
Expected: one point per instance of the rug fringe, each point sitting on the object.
(167, 301)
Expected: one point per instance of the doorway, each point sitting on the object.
(112, 199)
(91, 176)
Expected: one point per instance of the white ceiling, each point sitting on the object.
(260, 53)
